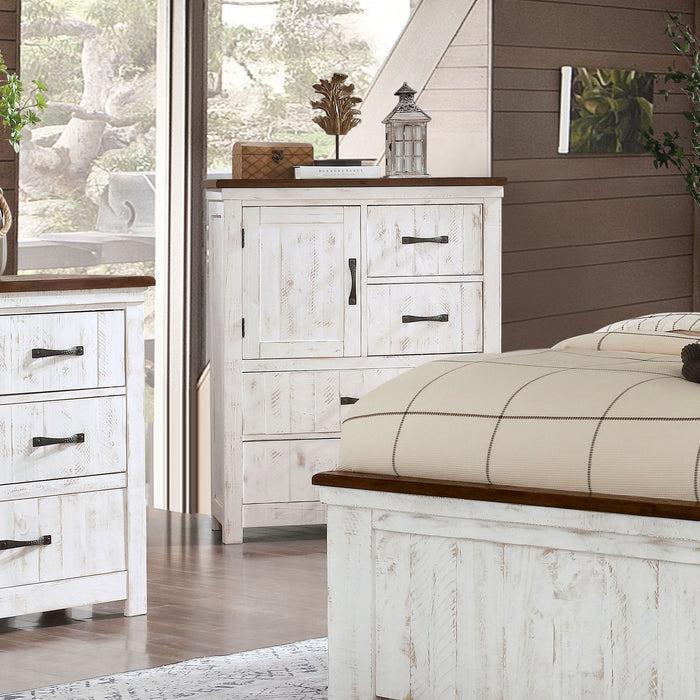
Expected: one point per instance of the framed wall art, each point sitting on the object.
(604, 110)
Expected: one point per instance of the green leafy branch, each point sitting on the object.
(669, 150)
(17, 109)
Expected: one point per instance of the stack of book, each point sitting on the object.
(337, 169)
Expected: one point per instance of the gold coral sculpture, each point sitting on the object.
(338, 106)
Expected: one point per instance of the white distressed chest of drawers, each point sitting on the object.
(72, 476)
(318, 291)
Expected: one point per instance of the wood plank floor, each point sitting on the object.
(204, 599)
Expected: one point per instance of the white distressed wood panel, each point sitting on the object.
(387, 256)
(100, 333)
(433, 610)
(679, 587)
(387, 304)
(57, 487)
(284, 514)
(87, 537)
(531, 621)
(231, 290)
(393, 647)
(296, 274)
(350, 589)
(480, 620)
(102, 420)
(303, 402)
(280, 471)
(18, 521)
(135, 524)
(291, 402)
(54, 595)
(631, 607)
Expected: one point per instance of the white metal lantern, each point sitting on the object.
(406, 131)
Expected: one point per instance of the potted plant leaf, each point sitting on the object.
(17, 110)
(670, 149)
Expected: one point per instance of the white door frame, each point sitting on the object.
(180, 168)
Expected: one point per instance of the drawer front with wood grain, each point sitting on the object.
(433, 239)
(416, 319)
(86, 531)
(299, 402)
(280, 471)
(61, 351)
(61, 439)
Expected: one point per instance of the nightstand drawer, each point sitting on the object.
(412, 319)
(86, 530)
(93, 432)
(288, 403)
(61, 351)
(432, 239)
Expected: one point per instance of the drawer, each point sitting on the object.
(102, 421)
(285, 403)
(280, 471)
(87, 537)
(99, 333)
(403, 318)
(435, 239)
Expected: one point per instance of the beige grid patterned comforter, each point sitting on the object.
(606, 412)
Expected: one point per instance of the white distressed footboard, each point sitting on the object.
(433, 598)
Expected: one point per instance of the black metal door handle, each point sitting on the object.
(48, 352)
(16, 544)
(347, 400)
(352, 264)
(441, 318)
(407, 240)
(43, 441)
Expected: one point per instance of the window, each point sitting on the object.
(86, 173)
(265, 55)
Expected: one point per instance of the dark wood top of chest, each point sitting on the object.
(54, 283)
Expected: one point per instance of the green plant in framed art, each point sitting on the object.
(605, 110)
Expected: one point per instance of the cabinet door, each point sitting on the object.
(300, 267)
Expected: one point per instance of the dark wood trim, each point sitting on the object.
(548, 498)
(53, 283)
(362, 182)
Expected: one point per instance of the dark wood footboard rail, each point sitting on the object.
(549, 498)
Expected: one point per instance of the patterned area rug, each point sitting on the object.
(291, 672)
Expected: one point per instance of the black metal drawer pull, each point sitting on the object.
(442, 318)
(347, 400)
(48, 352)
(352, 264)
(43, 441)
(407, 240)
(16, 544)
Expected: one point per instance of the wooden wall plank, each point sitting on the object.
(590, 238)
(536, 134)
(568, 290)
(580, 27)
(545, 331)
(553, 224)
(585, 255)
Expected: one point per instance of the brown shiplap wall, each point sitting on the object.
(9, 46)
(586, 239)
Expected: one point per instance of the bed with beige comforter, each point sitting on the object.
(607, 412)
